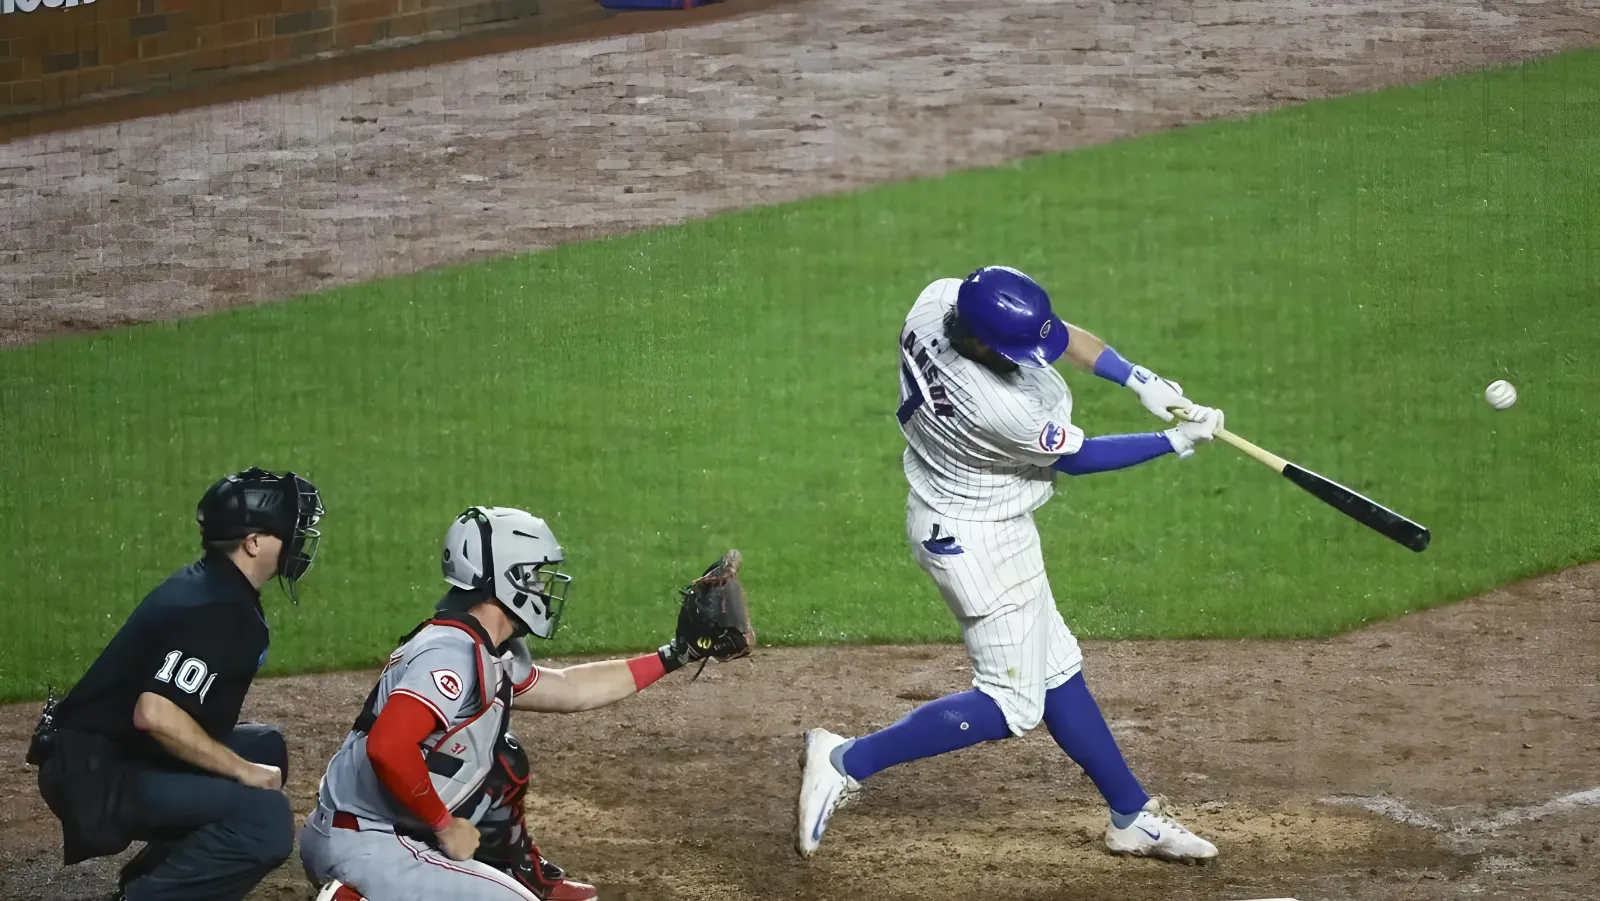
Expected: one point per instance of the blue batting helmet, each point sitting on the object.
(1010, 312)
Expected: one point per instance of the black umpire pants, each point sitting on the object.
(209, 838)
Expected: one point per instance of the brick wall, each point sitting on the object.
(76, 52)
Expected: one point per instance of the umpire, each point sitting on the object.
(147, 746)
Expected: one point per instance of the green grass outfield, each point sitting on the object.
(1342, 278)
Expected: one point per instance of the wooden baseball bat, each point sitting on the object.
(1358, 507)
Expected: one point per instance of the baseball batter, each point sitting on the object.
(423, 800)
(988, 425)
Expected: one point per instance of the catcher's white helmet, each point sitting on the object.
(511, 554)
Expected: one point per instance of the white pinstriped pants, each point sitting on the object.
(992, 577)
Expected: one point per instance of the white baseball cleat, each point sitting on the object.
(1154, 834)
(823, 789)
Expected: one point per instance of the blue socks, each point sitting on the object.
(961, 720)
(1074, 721)
(937, 727)
(970, 717)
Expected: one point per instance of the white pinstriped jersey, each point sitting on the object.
(978, 444)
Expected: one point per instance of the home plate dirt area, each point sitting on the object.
(1448, 754)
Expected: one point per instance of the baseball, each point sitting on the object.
(1500, 394)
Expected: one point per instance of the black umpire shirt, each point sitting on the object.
(196, 640)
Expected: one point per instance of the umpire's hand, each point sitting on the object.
(260, 775)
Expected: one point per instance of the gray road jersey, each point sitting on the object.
(448, 667)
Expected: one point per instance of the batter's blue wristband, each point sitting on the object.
(1112, 367)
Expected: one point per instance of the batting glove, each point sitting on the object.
(1157, 394)
(1195, 424)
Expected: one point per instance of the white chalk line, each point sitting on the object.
(1396, 810)
(1517, 815)
(1388, 808)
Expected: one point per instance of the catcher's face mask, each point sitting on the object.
(540, 598)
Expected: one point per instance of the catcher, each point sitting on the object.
(424, 799)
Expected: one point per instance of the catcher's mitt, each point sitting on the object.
(713, 618)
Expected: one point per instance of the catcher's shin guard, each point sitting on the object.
(503, 840)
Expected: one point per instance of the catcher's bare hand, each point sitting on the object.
(459, 840)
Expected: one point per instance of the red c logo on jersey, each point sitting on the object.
(448, 683)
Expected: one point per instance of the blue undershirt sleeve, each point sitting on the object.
(1104, 453)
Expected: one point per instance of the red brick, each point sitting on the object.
(118, 52)
(144, 26)
(364, 10)
(239, 32)
(115, 10)
(91, 81)
(38, 25)
(58, 89)
(61, 40)
(175, 42)
(358, 34)
(11, 70)
(200, 77)
(23, 92)
(168, 65)
(300, 23)
(210, 58)
(205, 12)
(130, 74)
(259, 52)
(408, 26)
(234, 10)
(280, 48)
(311, 44)
(559, 19)
(173, 6)
(444, 20)
(5, 102)
(59, 62)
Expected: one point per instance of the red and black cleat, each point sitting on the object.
(550, 883)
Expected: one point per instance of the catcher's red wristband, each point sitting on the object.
(646, 669)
